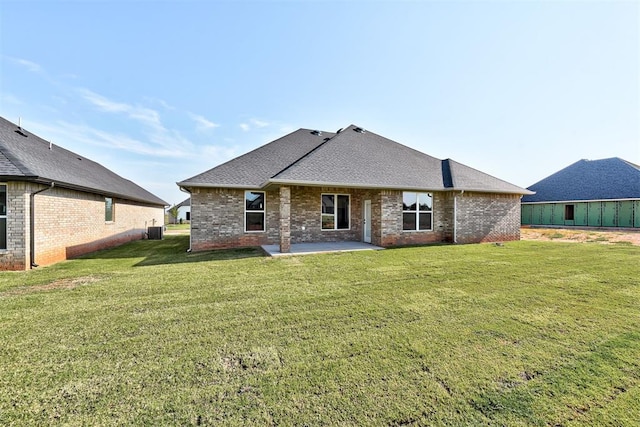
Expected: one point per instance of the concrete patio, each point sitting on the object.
(321, 247)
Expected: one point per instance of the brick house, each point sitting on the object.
(55, 204)
(352, 185)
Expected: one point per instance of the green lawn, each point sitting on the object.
(185, 226)
(528, 333)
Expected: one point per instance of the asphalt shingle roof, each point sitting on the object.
(32, 158)
(252, 169)
(351, 158)
(605, 179)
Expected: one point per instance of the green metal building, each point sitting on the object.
(588, 193)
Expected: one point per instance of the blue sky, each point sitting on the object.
(161, 91)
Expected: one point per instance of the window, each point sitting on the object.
(417, 210)
(3, 216)
(108, 209)
(254, 208)
(335, 212)
(187, 216)
(568, 212)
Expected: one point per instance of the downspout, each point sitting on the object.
(191, 221)
(32, 222)
(455, 216)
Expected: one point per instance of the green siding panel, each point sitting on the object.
(536, 216)
(594, 214)
(580, 214)
(525, 214)
(636, 213)
(558, 214)
(547, 214)
(609, 214)
(625, 213)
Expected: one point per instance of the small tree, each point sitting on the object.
(173, 214)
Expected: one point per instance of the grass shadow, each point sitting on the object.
(171, 250)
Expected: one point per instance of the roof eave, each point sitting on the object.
(189, 185)
(541, 202)
(485, 190)
(277, 182)
(40, 180)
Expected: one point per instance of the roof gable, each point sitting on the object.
(355, 157)
(349, 158)
(605, 179)
(252, 169)
(32, 158)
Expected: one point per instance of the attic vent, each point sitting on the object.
(339, 130)
(316, 132)
(19, 131)
(359, 130)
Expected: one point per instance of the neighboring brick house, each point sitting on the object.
(588, 193)
(55, 204)
(353, 185)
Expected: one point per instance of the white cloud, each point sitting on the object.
(203, 124)
(103, 103)
(259, 123)
(168, 140)
(254, 123)
(29, 65)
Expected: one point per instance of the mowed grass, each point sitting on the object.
(529, 333)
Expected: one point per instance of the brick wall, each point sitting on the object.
(485, 217)
(392, 232)
(67, 224)
(218, 218)
(18, 253)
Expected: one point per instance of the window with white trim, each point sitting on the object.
(254, 211)
(417, 211)
(3, 216)
(335, 212)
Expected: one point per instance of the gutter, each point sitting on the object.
(455, 216)
(32, 221)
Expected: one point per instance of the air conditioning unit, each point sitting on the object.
(155, 233)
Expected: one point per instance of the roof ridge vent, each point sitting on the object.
(339, 130)
(316, 132)
(359, 130)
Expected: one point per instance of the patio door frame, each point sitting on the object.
(366, 221)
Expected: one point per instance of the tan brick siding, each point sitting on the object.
(68, 223)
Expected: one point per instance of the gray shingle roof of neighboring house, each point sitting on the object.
(32, 158)
(605, 179)
(350, 158)
(184, 203)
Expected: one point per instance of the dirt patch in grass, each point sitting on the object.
(581, 236)
(70, 283)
